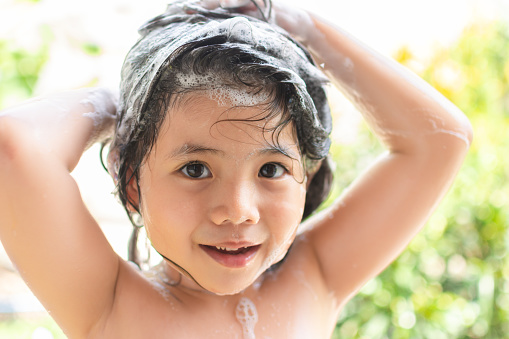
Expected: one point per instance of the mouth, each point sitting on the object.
(231, 256)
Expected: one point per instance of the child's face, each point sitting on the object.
(208, 183)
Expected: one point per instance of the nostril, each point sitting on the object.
(227, 217)
(235, 203)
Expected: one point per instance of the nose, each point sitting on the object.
(235, 203)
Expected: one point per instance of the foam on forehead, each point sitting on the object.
(216, 90)
(163, 37)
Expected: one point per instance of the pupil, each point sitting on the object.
(195, 170)
(269, 170)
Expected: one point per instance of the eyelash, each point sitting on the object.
(285, 170)
(206, 169)
(183, 169)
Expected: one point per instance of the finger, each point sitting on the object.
(210, 4)
(234, 3)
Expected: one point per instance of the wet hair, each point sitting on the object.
(223, 50)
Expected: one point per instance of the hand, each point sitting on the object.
(103, 112)
(297, 22)
(234, 3)
(260, 9)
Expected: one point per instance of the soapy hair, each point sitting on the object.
(153, 81)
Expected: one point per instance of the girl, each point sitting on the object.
(219, 148)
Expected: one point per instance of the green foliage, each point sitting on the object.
(92, 49)
(19, 69)
(453, 280)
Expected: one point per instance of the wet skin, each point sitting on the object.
(92, 293)
(291, 302)
(221, 184)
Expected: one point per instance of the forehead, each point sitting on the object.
(202, 115)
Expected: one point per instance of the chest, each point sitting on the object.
(246, 317)
(299, 309)
(293, 302)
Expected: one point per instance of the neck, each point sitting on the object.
(173, 275)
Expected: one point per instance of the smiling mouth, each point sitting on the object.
(231, 257)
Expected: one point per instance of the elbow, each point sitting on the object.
(466, 131)
(452, 145)
(469, 132)
(14, 139)
(456, 123)
(462, 127)
(450, 120)
(456, 135)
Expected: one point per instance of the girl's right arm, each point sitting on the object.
(45, 227)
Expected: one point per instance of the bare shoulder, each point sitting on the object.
(299, 276)
(300, 295)
(143, 307)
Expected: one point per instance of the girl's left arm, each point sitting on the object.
(426, 137)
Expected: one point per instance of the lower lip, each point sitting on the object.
(231, 260)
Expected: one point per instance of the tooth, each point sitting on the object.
(228, 249)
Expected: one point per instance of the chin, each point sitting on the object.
(230, 287)
(226, 291)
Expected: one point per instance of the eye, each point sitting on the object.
(196, 170)
(272, 170)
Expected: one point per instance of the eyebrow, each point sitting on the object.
(189, 149)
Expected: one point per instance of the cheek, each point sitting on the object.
(286, 212)
(165, 199)
(169, 215)
(294, 199)
(285, 216)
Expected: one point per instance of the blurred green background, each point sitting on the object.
(453, 280)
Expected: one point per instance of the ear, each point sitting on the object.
(112, 164)
(133, 193)
(113, 167)
(310, 173)
(309, 178)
